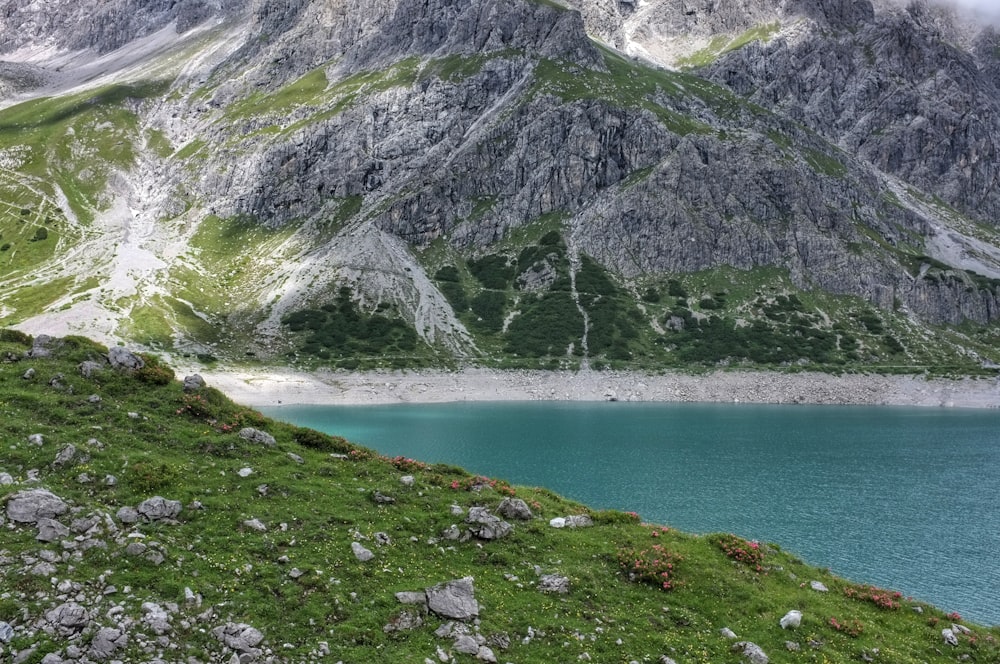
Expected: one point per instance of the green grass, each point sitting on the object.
(722, 44)
(185, 447)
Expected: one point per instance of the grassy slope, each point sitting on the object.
(185, 447)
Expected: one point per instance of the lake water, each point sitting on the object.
(904, 498)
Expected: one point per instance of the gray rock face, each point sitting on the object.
(453, 599)
(124, 360)
(34, 504)
(158, 508)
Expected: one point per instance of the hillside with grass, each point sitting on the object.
(148, 519)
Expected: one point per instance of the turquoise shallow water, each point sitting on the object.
(903, 498)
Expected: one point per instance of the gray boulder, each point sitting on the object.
(34, 504)
(124, 360)
(791, 619)
(453, 599)
(50, 530)
(752, 651)
(42, 346)
(87, 369)
(158, 507)
(487, 526)
(127, 515)
(361, 553)
(949, 637)
(68, 619)
(194, 383)
(515, 508)
(257, 436)
(239, 636)
(579, 521)
(65, 456)
(6, 632)
(36, 439)
(106, 642)
(553, 583)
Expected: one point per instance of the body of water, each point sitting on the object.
(904, 498)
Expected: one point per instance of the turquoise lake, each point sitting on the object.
(905, 498)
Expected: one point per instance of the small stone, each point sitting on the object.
(466, 644)
(255, 524)
(792, 646)
(818, 586)
(361, 553)
(407, 480)
(411, 597)
(6, 632)
(579, 521)
(949, 637)
(515, 508)
(382, 499)
(245, 472)
(64, 456)
(295, 457)
(6, 479)
(36, 439)
(485, 654)
(29, 374)
(94, 398)
(295, 573)
(557, 522)
(124, 360)
(727, 633)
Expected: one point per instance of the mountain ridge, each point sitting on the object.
(375, 147)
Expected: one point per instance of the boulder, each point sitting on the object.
(50, 530)
(579, 521)
(68, 619)
(487, 526)
(949, 637)
(106, 642)
(361, 553)
(194, 383)
(42, 346)
(752, 651)
(453, 599)
(34, 504)
(65, 456)
(791, 619)
(239, 636)
(818, 586)
(124, 360)
(127, 515)
(87, 369)
(553, 583)
(36, 439)
(257, 436)
(6, 632)
(158, 507)
(515, 508)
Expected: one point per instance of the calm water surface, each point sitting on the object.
(903, 498)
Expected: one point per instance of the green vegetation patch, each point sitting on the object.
(340, 333)
(722, 44)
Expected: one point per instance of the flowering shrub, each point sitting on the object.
(851, 628)
(740, 550)
(405, 464)
(654, 565)
(883, 599)
(478, 483)
(954, 616)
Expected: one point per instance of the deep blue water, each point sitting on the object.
(904, 498)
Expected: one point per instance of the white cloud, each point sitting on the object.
(983, 8)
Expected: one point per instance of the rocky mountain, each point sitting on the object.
(407, 182)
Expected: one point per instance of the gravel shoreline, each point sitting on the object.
(276, 386)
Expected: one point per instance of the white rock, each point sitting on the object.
(949, 637)
(818, 587)
(792, 619)
(557, 522)
(245, 472)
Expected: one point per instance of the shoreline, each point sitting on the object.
(283, 387)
